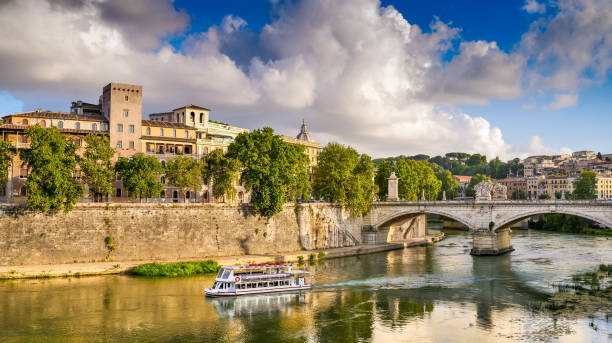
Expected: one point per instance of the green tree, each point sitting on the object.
(450, 185)
(345, 177)
(585, 186)
(139, 174)
(518, 194)
(185, 173)
(223, 171)
(383, 172)
(51, 159)
(476, 160)
(415, 176)
(476, 179)
(272, 169)
(97, 167)
(497, 169)
(599, 156)
(6, 154)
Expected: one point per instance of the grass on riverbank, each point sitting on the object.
(175, 269)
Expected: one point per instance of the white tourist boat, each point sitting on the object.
(256, 279)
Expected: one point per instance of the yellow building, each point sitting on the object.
(604, 187)
(166, 139)
(557, 184)
(311, 148)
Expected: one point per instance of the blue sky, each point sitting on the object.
(507, 78)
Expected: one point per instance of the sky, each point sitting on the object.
(503, 78)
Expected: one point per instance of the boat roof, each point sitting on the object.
(259, 266)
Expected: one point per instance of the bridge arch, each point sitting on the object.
(389, 219)
(524, 215)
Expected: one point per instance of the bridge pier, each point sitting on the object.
(491, 243)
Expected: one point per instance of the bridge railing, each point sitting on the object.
(518, 202)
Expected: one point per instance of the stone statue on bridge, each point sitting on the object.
(500, 192)
(483, 190)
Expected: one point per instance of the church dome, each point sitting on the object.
(304, 135)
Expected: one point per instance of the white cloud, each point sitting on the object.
(533, 6)
(562, 101)
(359, 73)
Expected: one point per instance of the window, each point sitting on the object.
(60, 124)
(23, 173)
(163, 178)
(131, 128)
(119, 127)
(131, 144)
(201, 117)
(163, 163)
(77, 125)
(173, 132)
(148, 131)
(188, 195)
(162, 194)
(24, 122)
(118, 192)
(126, 113)
(119, 145)
(126, 98)
(192, 117)
(94, 127)
(175, 194)
(161, 131)
(186, 134)
(43, 124)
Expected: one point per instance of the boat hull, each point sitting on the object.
(215, 294)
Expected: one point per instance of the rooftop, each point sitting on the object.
(161, 123)
(57, 115)
(192, 106)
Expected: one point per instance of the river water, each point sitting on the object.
(424, 294)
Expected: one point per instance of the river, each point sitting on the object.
(424, 294)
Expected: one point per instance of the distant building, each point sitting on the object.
(311, 148)
(464, 182)
(604, 187)
(584, 155)
(513, 184)
(80, 107)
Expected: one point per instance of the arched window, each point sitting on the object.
(175, 194)
(205, 195)
(60, 124)
(24, 122)
(162, 194)
(201, 117)
(193, 117)
(241, 196)
(118, 192)
(94, 127)
(148, 131)
(43, 123)
(178, 117)
(188, 195)
(23, 192)
(163, 178)
(77, 125)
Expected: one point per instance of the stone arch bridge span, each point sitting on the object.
(488, 220)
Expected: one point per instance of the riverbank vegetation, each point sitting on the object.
(175, 269)
(586, 294)
(558, 222)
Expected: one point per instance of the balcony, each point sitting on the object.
(167, 155)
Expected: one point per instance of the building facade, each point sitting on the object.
(311, 148)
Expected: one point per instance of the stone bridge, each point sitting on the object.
(489, 220)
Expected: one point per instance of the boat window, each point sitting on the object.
(226, 274)
(220, 273)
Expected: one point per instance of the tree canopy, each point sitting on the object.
(51, 159)
(585, 186)
(343, 176)
(96, 164)
(6, 152)
(414, 177)
(383, 172)
(272, 169)
(223, 171)
(449, 184)
(139, 174)
(185, 173)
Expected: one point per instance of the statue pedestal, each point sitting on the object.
(491, 243)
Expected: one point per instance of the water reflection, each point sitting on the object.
(438, 293)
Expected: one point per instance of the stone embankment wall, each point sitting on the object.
(167, 232)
